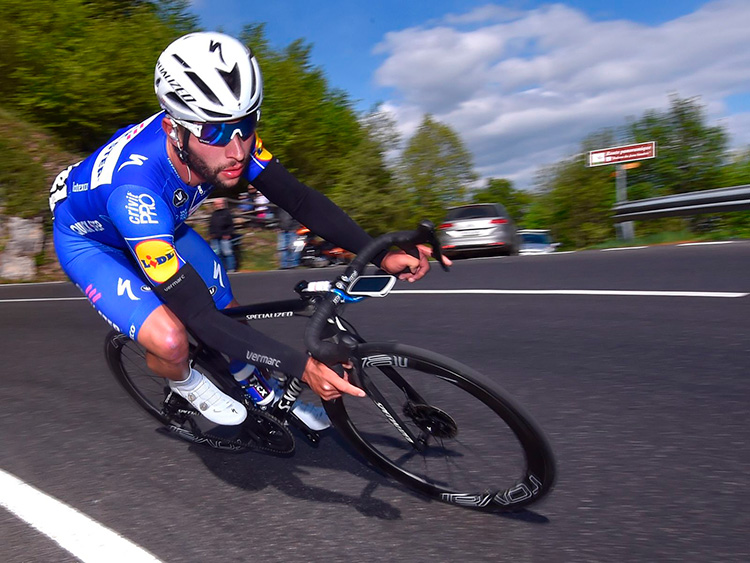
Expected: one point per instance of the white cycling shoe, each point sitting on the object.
(313, 416)
(212, 403)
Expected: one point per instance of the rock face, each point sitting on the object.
(25, 238)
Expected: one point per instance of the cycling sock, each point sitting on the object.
(190, 382)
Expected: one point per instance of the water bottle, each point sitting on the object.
(255, 385)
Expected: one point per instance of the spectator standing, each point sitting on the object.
(221, 233)
(288, 226)
(261, 206)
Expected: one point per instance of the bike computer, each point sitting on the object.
(372, 286)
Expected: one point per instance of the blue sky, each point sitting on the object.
(523, 81)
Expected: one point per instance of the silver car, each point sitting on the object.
(478, 227)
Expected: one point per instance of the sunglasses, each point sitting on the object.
(220, 134)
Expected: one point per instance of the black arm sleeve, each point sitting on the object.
(313, 209)
(188, 298)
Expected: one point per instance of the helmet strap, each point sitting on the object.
(182, 153)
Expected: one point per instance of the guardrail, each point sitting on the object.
(679, 205)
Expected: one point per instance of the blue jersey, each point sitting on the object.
(128, 195)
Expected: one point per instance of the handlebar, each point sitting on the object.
(330, 353)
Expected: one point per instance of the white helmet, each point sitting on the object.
(208, 77)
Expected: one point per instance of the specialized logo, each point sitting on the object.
(258, 316)
(141, 209)
(216, 46)
(217, 274)
(123, 287)
(136, 159)
(179, 90)
(179, 198)
(158, 259)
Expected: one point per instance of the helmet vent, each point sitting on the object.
(232, 78)
(216, 115)
(203, 87)
(176, 100)
(179, 60)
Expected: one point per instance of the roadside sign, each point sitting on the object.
(625, 153)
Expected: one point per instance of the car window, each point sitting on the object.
(536, 238)
(473, 212)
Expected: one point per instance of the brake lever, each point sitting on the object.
(428, 230)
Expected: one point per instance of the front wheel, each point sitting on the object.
(444, 430)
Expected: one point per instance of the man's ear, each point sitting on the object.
(170, 128)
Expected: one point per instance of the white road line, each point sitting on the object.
(706, 243)
(574, 292)
(623, 248)
(617, 292)
(31, 283)
(83, 537)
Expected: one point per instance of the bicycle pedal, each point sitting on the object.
(312, 436)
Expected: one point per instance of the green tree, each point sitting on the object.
(690, 153)
(307, 124)
(85, 68)
(365, 186)
(578, 202)
(435, 169)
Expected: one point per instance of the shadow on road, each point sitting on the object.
(257, 471)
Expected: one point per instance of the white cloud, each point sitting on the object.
(524, 88)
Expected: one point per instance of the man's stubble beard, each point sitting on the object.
(209, 175)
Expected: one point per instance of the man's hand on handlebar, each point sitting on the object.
(406, 266)
(327, 383)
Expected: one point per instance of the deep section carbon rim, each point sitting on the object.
(446, 432)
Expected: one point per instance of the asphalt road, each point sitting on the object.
(644, 398)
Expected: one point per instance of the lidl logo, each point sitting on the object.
(261, 153)
(158, 259)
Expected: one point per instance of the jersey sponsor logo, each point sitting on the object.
(123, 287)
(80, 187)
(136, 159)
(158, 259)
(104, 165)
(141, 209)
(179, 198)
(256, 358)
(217, 273)
(261, 154)
(84, 228)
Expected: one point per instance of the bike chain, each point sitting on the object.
(242, 445)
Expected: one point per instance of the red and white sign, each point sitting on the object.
(626, 153)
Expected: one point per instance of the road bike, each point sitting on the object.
(433, 424)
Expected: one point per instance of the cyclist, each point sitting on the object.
(120, 235)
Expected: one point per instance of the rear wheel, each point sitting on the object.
(442, 429)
